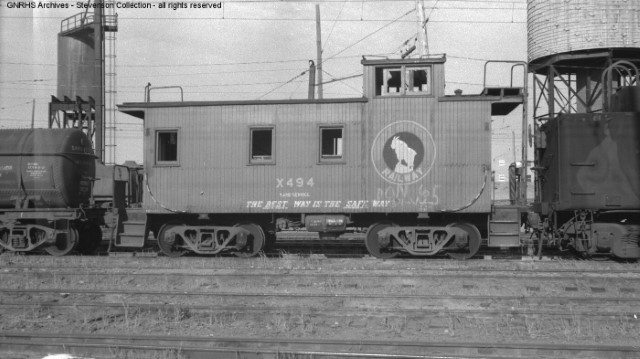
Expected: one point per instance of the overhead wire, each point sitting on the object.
(326, 41)
(369, 35)
(448, 21)
(341, 51)
(281, 85)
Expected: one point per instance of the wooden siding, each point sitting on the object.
(461, 152)
(215, 175)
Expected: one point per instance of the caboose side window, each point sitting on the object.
(167, 147)
(261, 145)
(331, 143)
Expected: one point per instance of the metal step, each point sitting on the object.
(504, 227)
(130, 240)
(136, 215)
(134, 228)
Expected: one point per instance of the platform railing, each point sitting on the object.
(76, 21)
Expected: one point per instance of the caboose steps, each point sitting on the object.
(132, 226)
(504, 227)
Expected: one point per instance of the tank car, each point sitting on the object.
(406, 165)
(48, 197)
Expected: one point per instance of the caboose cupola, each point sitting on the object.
(422, 76)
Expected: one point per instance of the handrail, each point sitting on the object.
(607, 80)
(516, 64)
(84, 18)
(148, 88)
(76, 21)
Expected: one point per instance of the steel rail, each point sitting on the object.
(337, 347)
(444, 273)
(332, 312)
(414, 272)
(546, 299)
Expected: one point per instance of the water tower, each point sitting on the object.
(85, 96)
(571, 43)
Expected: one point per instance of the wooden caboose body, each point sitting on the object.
(403, 155)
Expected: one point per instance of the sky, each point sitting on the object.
(257, 49)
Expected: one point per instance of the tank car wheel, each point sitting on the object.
(475, 240)
(255, 242)
(372, 243)
(90, 238)
(64, 243)
(169, 242)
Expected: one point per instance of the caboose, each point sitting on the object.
(405, 165)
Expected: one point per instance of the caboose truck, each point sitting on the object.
(406, 161)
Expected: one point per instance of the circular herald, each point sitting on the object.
(403, 152)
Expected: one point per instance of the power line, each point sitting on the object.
(18, 105)
(289, 81)
(273, 19)
(189, 65)
(326, 41)
(369, 35)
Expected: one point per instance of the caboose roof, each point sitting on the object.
(136, 109)
(438, 59)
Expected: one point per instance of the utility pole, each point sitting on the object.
(312, 79)
(33, 114)
(422, 29)
(319, 51)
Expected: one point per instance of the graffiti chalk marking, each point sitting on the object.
(421, 197)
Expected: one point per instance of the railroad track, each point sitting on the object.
(249, 347)
(332, 312)
(318, 305)
(138, 261)
(558, 274)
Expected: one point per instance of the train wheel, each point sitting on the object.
(4, 237)
(373, 244)
(65, 243)
(255, 242)
(474, 241)
(90, 238)
(170, 243)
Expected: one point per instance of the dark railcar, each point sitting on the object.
(590, 169)
(592, 161)
(45, 168)
(48, 200)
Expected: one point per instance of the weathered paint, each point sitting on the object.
(402, 153)
(585, 167)
(214, 173)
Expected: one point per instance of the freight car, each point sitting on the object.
(54, 195)
(406, 164)
(588, 183)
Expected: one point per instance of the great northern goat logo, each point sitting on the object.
(403, 152)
